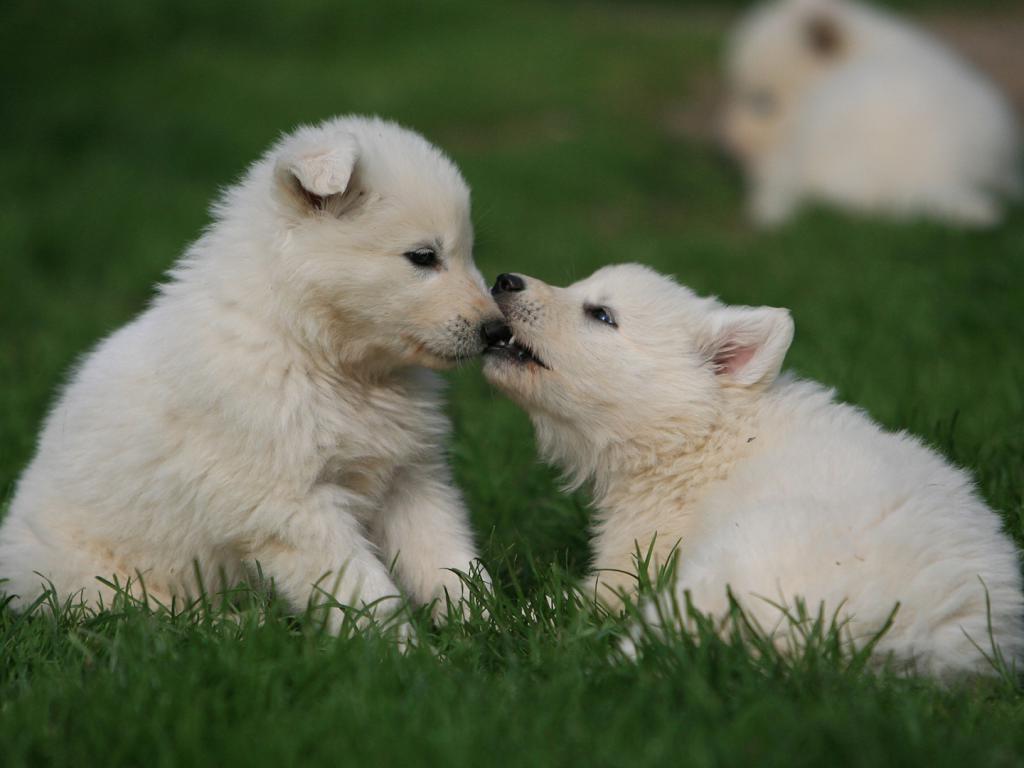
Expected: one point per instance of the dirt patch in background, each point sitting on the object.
(992, 41)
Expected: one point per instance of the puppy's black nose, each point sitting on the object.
(495, 332)
(508, 283)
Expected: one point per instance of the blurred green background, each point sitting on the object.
(585, 132)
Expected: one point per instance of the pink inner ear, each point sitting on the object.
(733, 359)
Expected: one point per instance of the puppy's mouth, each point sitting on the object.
(515, 352)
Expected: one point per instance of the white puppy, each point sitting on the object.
(838, 102)
(273, 404)
(669, 404)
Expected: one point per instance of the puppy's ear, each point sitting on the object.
(745, 346)
(824, 35)
(316, 178)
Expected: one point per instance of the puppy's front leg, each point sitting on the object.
(424, 528)
(774, 196)
(317, 551)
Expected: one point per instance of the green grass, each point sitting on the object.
(120, 123)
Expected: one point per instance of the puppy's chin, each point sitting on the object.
(497, 371)
(515, 380)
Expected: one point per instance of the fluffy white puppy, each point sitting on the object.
(273, 405)
(839, 102)
(670, 405)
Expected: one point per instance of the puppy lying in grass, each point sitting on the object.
(274, 404)
(838, 102)
(672, 407)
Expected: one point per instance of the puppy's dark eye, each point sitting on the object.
(423, 257)
(603, 314)
(761, 101)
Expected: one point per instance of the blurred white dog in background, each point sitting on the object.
(274, 405)
(838, 102)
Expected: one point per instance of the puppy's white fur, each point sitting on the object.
(766, 484)
(839, 102)
(273, 405)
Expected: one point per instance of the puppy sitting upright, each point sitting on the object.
(670, 405)
(273, 404)
(838, 102)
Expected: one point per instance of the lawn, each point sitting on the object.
(579, 127)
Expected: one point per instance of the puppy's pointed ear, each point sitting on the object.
(319, 177)
(824, 35)
(745, 346)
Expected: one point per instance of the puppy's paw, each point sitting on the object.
(769, 208)
(463, 594)
(405, 636)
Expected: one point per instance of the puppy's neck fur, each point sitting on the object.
(632, 480)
